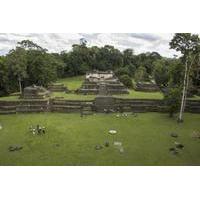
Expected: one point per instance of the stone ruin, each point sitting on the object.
(102, 83)
(58, 87)
(35, 92)
(146, 87)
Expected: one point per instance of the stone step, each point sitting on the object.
(7, 111)
(30, 110)
(66, 110)
(7, 107)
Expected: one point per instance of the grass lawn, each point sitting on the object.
(10, 98)
(141, 95)
(71, 140)
(72, 83)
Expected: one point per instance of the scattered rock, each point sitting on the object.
(116, 143)
(179, 145)
(121, 150)
(196, 135)
(57, 145)
(125, 114)
(107, 144)
(98, 147)
(112, 132)
(175, 135)
(15, 148)
(134, 114)
(173, 150)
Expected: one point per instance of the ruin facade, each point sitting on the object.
(102, 83)
(35, 92)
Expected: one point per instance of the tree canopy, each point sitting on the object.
(30, 63)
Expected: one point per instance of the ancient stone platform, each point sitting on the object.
(146, 87)
(35, 92)
(95, 80)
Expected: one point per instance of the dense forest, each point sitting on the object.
(30, 64)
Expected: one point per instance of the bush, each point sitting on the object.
(126, 80)
(122, 71)
(172, 100)
(141, 74)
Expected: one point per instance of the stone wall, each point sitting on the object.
(100, 104)
(68, 106)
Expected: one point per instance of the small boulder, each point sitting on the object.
(173, 150)
(116, 143)
(15, 148)
(175, 135)
(112, 132)
(179, 145)
(98, 147)
(121, 150)
(107, 144)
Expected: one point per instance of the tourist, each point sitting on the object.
(43, 130)
(33, 131)
(39, 129)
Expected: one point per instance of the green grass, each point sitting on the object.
(141, 95)
(195, 97)
(10, 98)
(145, 139)
(72, 83)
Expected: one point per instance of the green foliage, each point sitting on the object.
(122, 71)
(185, 43)
(146, 60)
(160, 73)
(141, 74)
(41, 69)
(176, 73)
(29, 45)
(30, 63)
(172, 99)
(3, 77)
(126, 80)
(16, 62)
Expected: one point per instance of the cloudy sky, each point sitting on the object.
(56, 42)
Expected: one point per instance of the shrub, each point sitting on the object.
(172, 100)
(141, 74)
(126, 80)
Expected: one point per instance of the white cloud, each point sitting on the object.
(56, 42)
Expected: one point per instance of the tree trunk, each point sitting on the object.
(187, 82)
(180, 119)
(20, 85)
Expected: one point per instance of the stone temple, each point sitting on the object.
(102, 83)
(147, 87)
(35, 92)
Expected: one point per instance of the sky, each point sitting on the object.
(57, 42)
